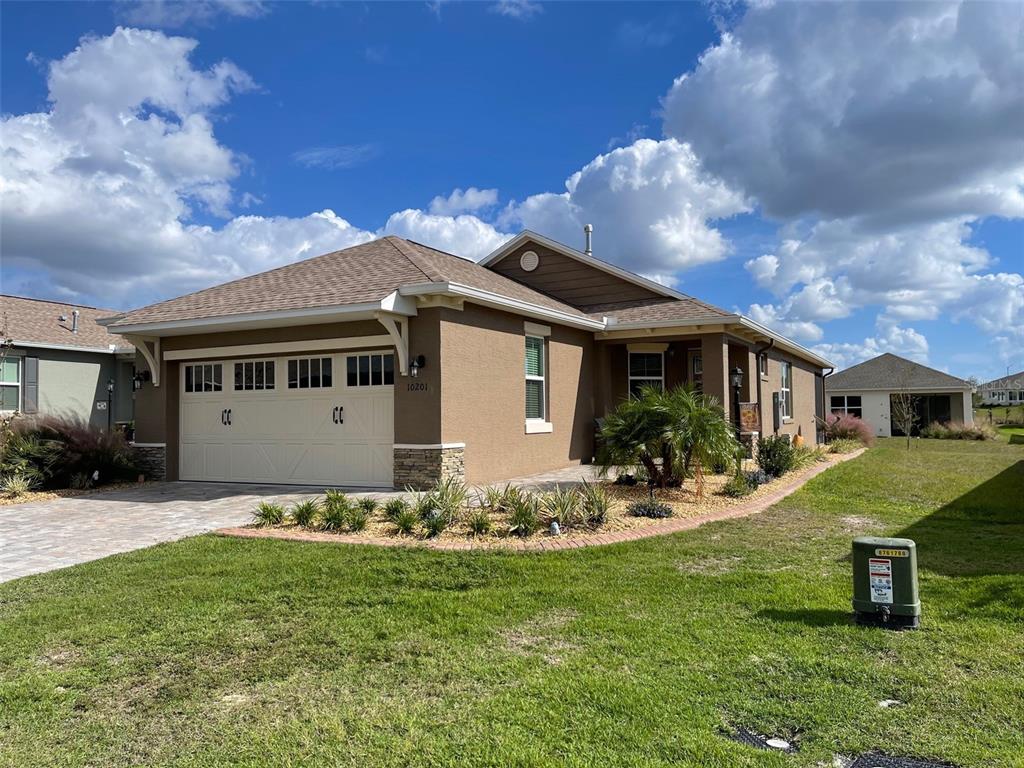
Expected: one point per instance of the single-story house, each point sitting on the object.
(1009, 390)
(866, 390)
(60, 361)
(395, 364)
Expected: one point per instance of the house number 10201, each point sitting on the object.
(417, 386)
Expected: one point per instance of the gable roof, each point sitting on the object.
(658, 310)
(890, 372)
(363, 275)
(36, 323)
(1013, 381)
(624, 274)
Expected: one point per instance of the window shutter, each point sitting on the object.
(31, 385)
(534, 356)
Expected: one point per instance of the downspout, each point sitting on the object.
(757, 372)
(824, 416)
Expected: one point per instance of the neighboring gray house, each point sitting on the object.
(61, 362)
(865, 390)
(1009, 390)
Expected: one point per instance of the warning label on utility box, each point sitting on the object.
(880, 571)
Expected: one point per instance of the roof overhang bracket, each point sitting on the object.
(397, 327)
(150, 355)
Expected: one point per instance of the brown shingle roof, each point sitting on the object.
(34, 321)
(361, 274)
(889, 371)
(658, 310)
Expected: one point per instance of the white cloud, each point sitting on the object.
(650, 205)
(464, 235)
(178, 13)
(337, 157)
(462, 201)
(523, 10)
(905, 342)
(876, 134)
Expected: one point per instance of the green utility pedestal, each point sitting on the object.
(885, 583)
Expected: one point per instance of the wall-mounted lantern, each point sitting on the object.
(414, 367)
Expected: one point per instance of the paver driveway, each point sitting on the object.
(46, 535)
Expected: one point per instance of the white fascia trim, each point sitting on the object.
(896, 390)
(112, 349)
(498, 301)
(538, 426)
(781, 341)
(285, 314)
(503, 250)
(429, 445)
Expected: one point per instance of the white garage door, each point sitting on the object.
(310, 419)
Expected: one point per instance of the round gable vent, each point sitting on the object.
(529, 260)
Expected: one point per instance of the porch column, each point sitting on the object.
(714, 350)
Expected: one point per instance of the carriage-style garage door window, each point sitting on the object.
(309, 373)
(850, 404)
(536, 367)
(204, 377)
(372, 370)
(254, 375)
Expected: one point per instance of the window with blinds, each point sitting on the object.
(536, 366)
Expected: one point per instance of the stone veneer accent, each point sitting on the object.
(151, 460)
(420, 467)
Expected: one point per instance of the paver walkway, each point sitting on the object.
(46, 535)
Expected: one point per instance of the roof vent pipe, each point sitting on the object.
(74, 321)
(588, 230)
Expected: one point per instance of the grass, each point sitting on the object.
(216, 651)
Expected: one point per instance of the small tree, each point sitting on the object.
(904, 412)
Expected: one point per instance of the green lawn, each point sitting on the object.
(218, 651)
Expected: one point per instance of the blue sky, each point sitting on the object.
(814, 169)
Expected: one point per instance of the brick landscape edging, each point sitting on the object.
(752, 507)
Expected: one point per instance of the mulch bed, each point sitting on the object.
(688, 512)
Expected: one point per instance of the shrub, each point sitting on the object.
(805, 456)
(80, 482)
(649, 508)
(27, 454)
(305, 512)
(594, 503)
(268, 514)
(450, 497)
(368, 505)
(334, 514)
(738, 486)
(844, 445)
(435, 521)
(844, 426)
(757, 477)
(479, 522)
(955, 430)
(775, 455)
(524, 514)
(356, 518)
(562, 506)
(394, 507)
(625, 479)
(16, 486)
(84, 449)
(498, 499)
(405, 519)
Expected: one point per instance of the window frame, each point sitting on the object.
(542, 378)
(191, 367)
(17, 385)
(308, 360)
(370, 355)
(264, 363)
(762, 365)
(846, 408)
(630, 378)
(786, 389)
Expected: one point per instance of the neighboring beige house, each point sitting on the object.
(62, 362)
(395, 364)
(866, 391)
(1009, 390)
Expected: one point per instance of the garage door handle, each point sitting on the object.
(224, 417)
(334, 414)
(229, 417)
(341, 410)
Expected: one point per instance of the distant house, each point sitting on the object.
(62, 363)
(1008, 390)
(866, 391)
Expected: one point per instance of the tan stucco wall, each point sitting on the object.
(483, 395)
(418, 401)
(806, 397)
